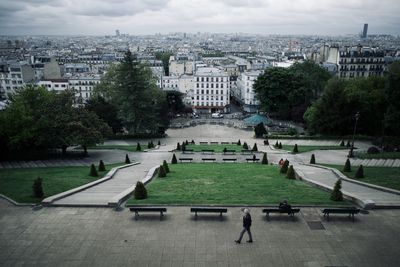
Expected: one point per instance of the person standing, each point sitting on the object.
(246, 227)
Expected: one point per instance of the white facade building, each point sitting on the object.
(14, 76)
(211, 91)
(246, 92)
(83, 86)
(55, 84)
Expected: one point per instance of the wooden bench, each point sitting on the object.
(208, 159)
(136, 210)
(214, 143)
(207, 151)
(224, 143)
(185, 159)
(231, 160)
(203, 143)
(187, 151)
(229, 152)
(253, 160)
(234, 143)
(246, 152)
(350, 210)
(209, 210)
(290, 212)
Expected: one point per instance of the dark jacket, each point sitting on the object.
(247, 221)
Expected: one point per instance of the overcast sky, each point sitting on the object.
(103, 17)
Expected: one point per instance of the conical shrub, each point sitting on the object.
(159, 143)
(187, 142)
(174, 160)
(102, 167)
(127, 160)
(193, 142)
(348, 144)
(166, 167)
(360, 172)
(37, 188)
(264, 159)
(183, 147)
(148, 145)
(342, 143)
(225, 150)
(178, 146)
(140, 191)
(239, 143)
(138, 147)
(295, 149)
(93, 171)
(347, 166)
(290, 173)
(266, 142)
(336, 194)
(312, 160)
(151, 144)
(280, 145)
(245, 146)
(285, 167)
(161, 171)
(255, 148)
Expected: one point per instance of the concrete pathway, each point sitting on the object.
(102, 193)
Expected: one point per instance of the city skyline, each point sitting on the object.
(100, 17)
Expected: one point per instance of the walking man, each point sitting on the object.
(246, 227)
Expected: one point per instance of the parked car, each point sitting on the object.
(217, 115)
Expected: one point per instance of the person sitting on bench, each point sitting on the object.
(285, 206)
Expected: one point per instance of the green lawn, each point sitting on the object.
(217, 148)
(17, 183)
(382, 155)
(382, 176)
(131, 148)
(303, 149)
(213, 183)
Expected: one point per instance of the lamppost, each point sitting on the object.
(357, 116)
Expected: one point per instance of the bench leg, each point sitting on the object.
(327, 217)
(161, 215)
(267, 215)
(220, 216)
(195, 215)
(136, 215)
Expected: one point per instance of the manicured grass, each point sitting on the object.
(213, 183)
(218, 148)
(131, 148)
(303, 149)
(382, 176)
(17, 183)
(382, 155)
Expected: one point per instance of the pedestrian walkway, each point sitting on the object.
(326, 178)
(101, 194)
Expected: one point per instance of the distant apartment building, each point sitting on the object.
(83, 86)
(181, 64)
(14, 76)
(54, 84)
(211, 91)
(245, 93)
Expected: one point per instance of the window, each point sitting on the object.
(202, 91)
(206, 91)
(216, 86)
(197, 86)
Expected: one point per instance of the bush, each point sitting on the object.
(140, 191)
(193, 142)
(292, 131)
(255, 148)
(174, 161)
(360, 172)
(342, 143)
(264, 159)
(178, 146)
(295, 149)
(186, 143)
(266, 142)
(162, 172)
(245, 146)
(225, 150)
(149, 145)
(347, 166)
(259, 130)
(312, 160)
(276, 144)
(37, 188)
(285, 167)
(239, 143)
(336, 194)
(102, 167)
(290, 173)
(127, 160)
(159, 143)
(166, 167)
(280, 145)
(373, 150)
(93, 171)
(348, 144)
(254, 157)
(138, 147)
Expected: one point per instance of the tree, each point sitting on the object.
(140, 191)
(93, 171)
(174, 160)
(175, 103)
(127, 160)
(162, 172)
(347, 166)
(102, 167)
(37, 188)
(392, 92)
(360, 172)
(284, 167)
(166, 167)
(138, 147)
(290, 174)
(312, 160)
(254, 147)
(264, 159)
(295, 149)
(106, 111)
(336, 194)
(259, 130)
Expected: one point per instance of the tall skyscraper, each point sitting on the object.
(365, 31)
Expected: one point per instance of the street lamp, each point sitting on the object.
(357, 116)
